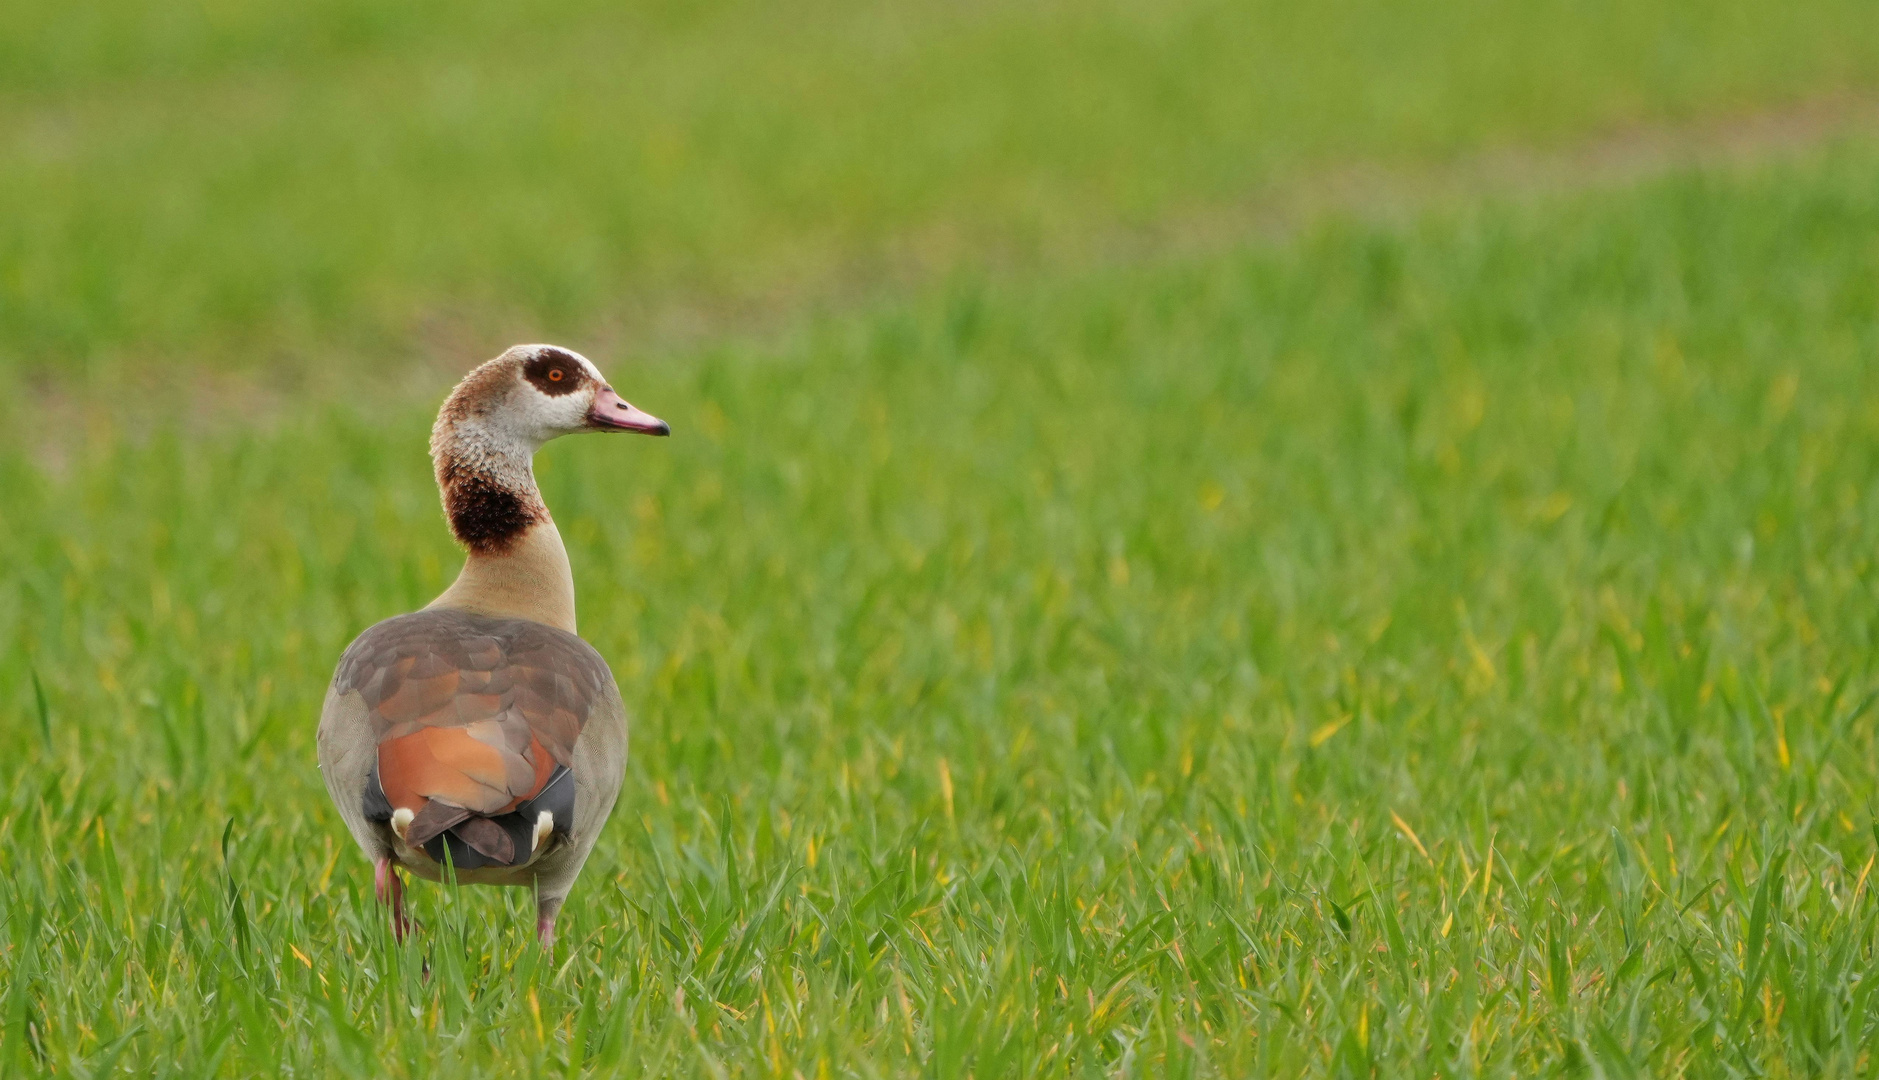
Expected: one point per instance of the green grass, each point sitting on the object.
(290, 187)
(1433, 649)
(1437, 646)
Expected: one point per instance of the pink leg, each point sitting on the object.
(545, 912)
(390, 890)
(400, 922)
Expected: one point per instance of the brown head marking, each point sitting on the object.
(554, 372)
(478, 391)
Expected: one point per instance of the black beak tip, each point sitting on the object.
(662, 430)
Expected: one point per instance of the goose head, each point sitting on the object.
(533, 393)
(492, 424)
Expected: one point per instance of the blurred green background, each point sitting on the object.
(1200, 539)
(265, 185)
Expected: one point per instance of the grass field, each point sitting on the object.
(1435, 646)
(268, 186)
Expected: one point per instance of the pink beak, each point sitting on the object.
(610, 413)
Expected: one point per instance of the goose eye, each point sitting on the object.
(555, 375)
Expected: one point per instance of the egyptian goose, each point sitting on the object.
(480, 736)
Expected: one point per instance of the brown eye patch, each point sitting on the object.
(554, 372)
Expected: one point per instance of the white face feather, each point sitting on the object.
(535, 416)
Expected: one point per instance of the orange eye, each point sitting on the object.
(555, 374)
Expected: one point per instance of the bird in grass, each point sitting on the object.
(481, 737)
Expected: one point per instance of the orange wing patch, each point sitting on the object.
(472, 714)
(470, 767)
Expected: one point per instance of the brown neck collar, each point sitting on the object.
(488, 512)
(517, 566)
